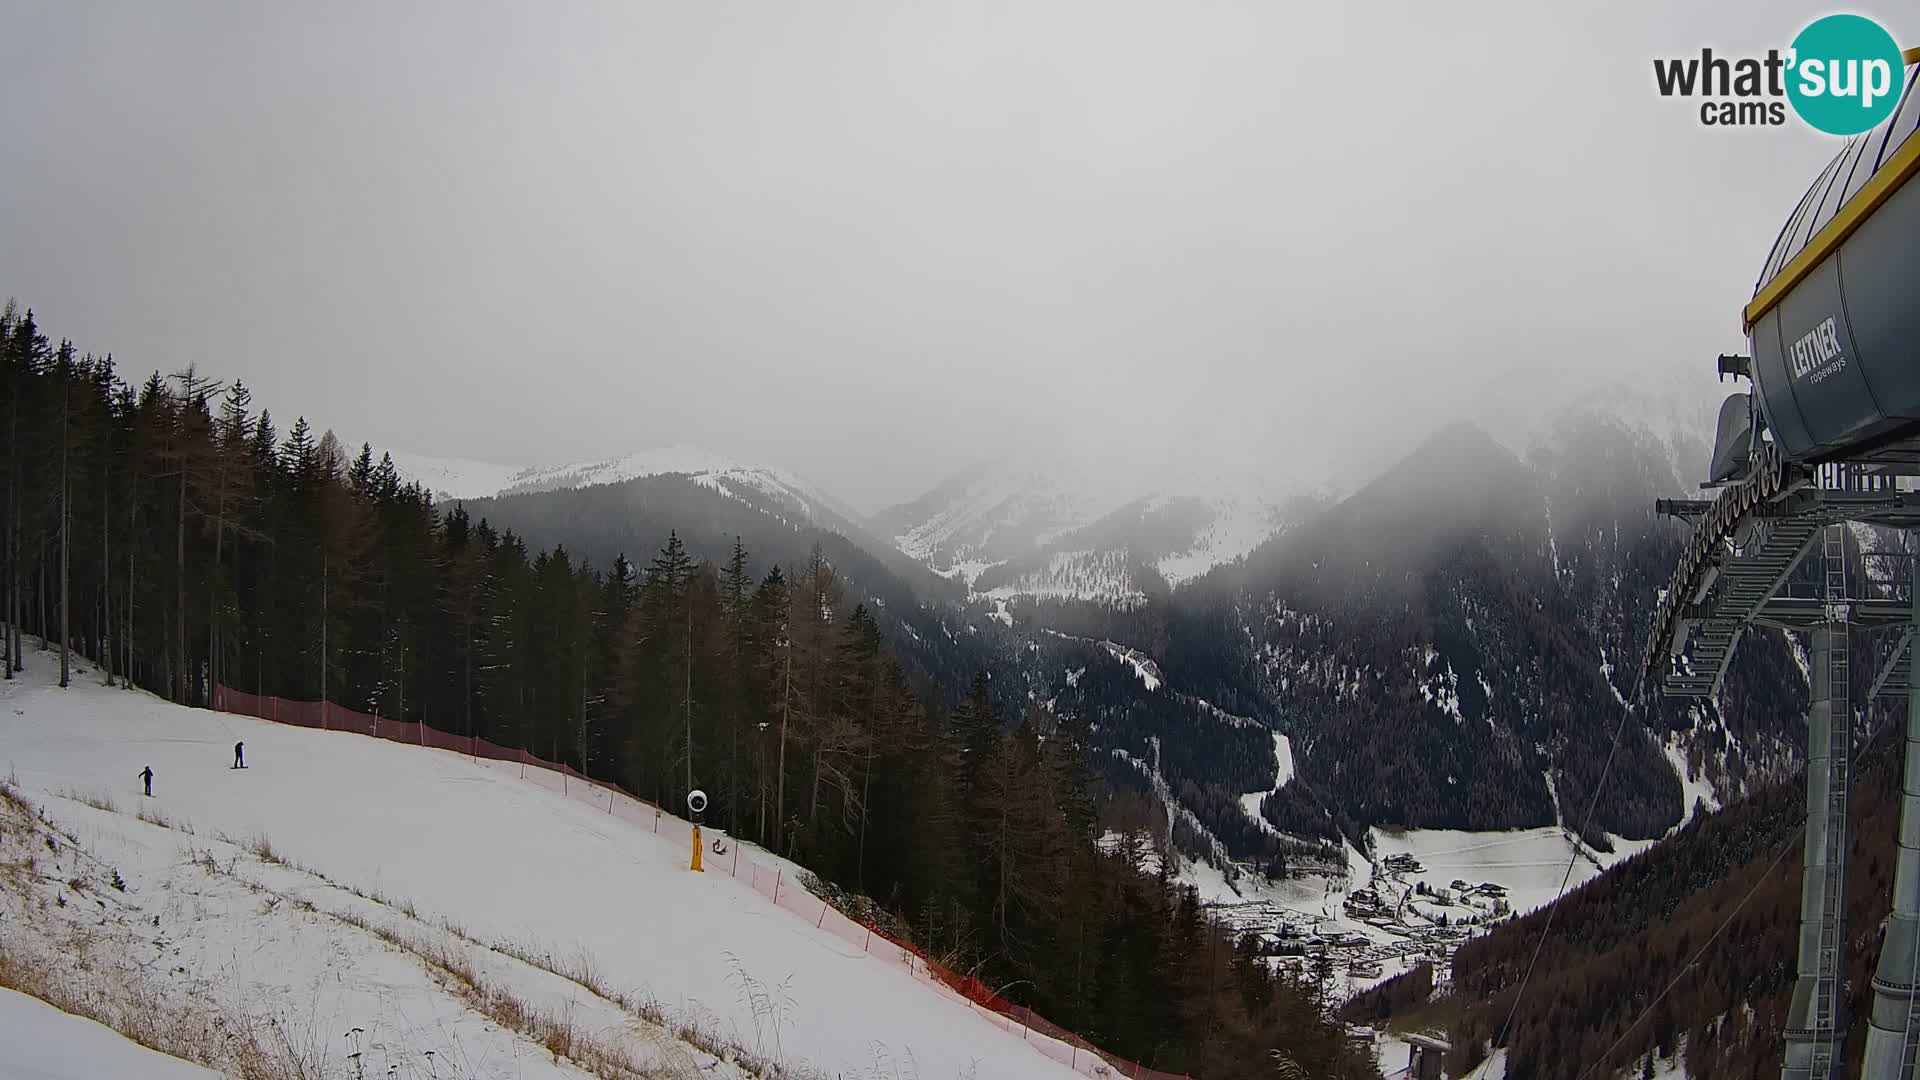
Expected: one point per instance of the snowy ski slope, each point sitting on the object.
(43, 1043)
(506, 860)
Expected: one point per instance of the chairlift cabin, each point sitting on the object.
(1834, 325)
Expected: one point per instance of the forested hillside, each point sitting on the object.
(181, 541)
(914, 608)
(1449, 647)
(1712, 913)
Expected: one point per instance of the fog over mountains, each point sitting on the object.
(1444, 643)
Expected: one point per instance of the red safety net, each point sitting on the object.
(738, 860)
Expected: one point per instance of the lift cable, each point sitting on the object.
(1554, 906)
(1786, 844)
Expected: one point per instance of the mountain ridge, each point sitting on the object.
(1473, 599)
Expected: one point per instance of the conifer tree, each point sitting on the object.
(227, 556)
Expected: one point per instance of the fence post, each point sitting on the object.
(776, 884)
(736, 857)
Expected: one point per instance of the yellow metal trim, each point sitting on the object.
(1911, 56)
(1893, 174)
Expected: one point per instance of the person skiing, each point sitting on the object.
(146, 777)
(239, 755)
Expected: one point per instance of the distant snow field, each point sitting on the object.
(1529, 864)
(457, 478)
(410, 840)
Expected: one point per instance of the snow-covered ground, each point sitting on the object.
(201, 931)
(1283, 772)
(1694, 790)
(1144, 668)
(1238, 525)
(39, 1042)
(1529, 863)
(1391, 1053)
(1102, 575)
(377, 831)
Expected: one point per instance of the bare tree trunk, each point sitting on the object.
(213, 579)
(813, 795)
(866, 788)
(180, 588)
(16, 661)
(6, 545)
(133, 510)
(380, 692)
(10, 644)
(324, 565)
(66, 596)
(689, 685)
(238, 656)
(733, 768)
(259, 639)
(780, 781)
(106, 571)
(467, 690)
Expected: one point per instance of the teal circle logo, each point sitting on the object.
(1845, 74)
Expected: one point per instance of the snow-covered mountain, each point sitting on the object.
(1673, 423)
(454, 478)
(457, 478)
(1085, 529)
(999, 510)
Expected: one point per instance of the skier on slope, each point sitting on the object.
(239, 755)
(146, 777)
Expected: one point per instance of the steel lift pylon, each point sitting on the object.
(1826, 435)
(1739, 564)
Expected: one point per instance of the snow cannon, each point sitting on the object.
(1833, 328)
(696, 805)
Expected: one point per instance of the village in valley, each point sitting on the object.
(1370, 931)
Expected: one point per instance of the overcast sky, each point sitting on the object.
(872, 242)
